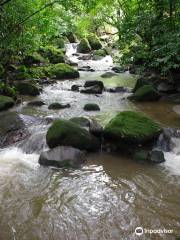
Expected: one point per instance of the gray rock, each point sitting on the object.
(12, 128)
(62, 157)
(36, 103)
(92, 83)
(92, 90)
(59, 106)
(75, 88)
(156, 156)
(91, 107)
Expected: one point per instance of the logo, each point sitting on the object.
(139, 231)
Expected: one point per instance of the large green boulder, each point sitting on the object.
(6, 102)
(145, 93)
(27, 88)
(94, 42)
(61, 71)
(99, 54)
(84, 46)
(67, 133)
(132, 127)
(34, 58)
(140, 83)
(54, 54)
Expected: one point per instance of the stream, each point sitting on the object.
(110, 195)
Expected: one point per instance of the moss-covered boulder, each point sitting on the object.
(72, 37)
(145, 93)
(84, 46)
(61, 71)
(34, 58)
(54, 54)
(6, 102)
(91, 107)
(67, 133)
(94, 42)
(56, 71)
(154, 156)
(140, 83)
(6, 90)
(59, 42)
(27, 88)
(57, 105)
(132, 127)
(99, 54)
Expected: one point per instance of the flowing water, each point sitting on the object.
(109, 196)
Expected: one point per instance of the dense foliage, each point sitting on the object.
(147, 32)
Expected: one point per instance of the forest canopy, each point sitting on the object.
(145, 32)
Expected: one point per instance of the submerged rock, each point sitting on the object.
(62, 157)
(145, 93)
(84, 46)
(132, 127)
(57, 105)
(6, 102)
(91, 107)
(67, 133)
(108, 75)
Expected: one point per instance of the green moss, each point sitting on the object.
(98, 54)
(94, 42)
(58, 71)
(54, 54)
(61, 71)
(6, 102)
(34, 58)
(81, 121)
(91, 107)
(67, 133)
(145, 93)
(84, 46)
(132, 127)
(1, 70)
(8, 91)
(27, 88)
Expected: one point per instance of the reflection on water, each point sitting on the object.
(106, 199)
